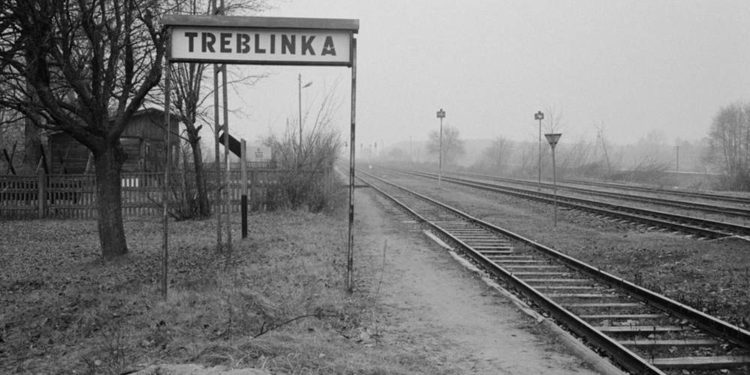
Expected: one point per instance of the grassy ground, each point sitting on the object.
(280, 305)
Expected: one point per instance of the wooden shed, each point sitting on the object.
(142, 140)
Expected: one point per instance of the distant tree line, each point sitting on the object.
(725, 151)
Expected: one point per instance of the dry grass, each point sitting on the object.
(63, 310)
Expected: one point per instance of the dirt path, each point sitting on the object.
(434, 305)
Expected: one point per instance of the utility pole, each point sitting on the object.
(441, 116)
(299, 102)
(553, 138)
(540, 116)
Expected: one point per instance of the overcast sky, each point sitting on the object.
(638, 68)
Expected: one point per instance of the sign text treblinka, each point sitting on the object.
(330, 47)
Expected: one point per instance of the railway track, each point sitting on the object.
(728, 210)
(699, 227)
(642, 331)
(673, 192)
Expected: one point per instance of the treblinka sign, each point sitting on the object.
(262, 40)
(258, 41)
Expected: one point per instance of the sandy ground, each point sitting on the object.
(433, 304)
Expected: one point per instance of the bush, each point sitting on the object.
(308, 181)
(739, 181)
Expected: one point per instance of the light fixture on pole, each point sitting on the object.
(552, 138)
(441, 116)
(299, 102)
(539, 116)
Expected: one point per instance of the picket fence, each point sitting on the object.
(74, 196)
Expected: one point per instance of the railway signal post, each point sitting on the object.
(552, 138)
(540, 116)
(441, 116)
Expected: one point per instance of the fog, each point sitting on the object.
(636, 69)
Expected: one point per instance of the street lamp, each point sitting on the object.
(540, 116)
(552, 138)
(299, 91)
(441, 116)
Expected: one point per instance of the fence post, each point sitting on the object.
(243, 177)
(254, 200)
(42, 194)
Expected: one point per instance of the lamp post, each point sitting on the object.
(441, 116)
(299, 97)
(539, 116)
(552, 138)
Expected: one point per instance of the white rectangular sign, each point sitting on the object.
(258, 153)
(261, 46)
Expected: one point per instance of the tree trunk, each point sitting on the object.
(32, 150)
(108, 202)
(204, 209)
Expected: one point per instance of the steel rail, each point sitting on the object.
(711, 208)
(611, 185)
(706, 322)
(702, 227)
(692, 194)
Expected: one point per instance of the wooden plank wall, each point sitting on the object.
(74, 196)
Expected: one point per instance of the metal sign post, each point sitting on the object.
(553, 138)
(350, 241)
(263, 41)
(243, 177)
(539, 116)
(165, 192)
(441, 116)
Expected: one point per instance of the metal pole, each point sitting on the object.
(440, 158)
(554, 182)
(217, 156)
(226, 148)
(243, 176)
(167, 165)
(299, 107)
(227, 186)
(539, 182)
(350, 244)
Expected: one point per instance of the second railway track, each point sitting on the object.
(681, 223)
(642, 331)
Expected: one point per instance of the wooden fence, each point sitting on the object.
(74, 196)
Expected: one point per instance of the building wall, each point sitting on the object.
(67, 155)
(142, 140)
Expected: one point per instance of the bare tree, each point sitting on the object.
(321, 136)
(729, 146)
(83, 68)
(577, 156)
(309, 164)
(553, 120)
(10, 128)
(453, 145)
(190, 93)
(602, 139)
(527, 159)
(496, 156)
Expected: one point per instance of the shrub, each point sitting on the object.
(308, 181)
